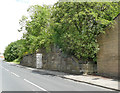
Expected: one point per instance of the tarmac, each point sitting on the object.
(100, 81)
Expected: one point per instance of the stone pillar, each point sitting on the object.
(38, 60)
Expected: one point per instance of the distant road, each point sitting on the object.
(16, 78)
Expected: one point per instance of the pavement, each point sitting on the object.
(100, 81)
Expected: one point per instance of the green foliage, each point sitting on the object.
(73, 26)
(37, 27)
(16, 61)
(13, 50)
(77, 25)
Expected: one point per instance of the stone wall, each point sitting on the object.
(56, 60)
(29, 60)
(107, 57)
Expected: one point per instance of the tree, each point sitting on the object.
(13, 50)
(73, 26)
(37, 28)
(78, 24)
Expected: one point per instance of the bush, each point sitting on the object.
(13, 50)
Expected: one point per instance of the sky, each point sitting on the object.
(10, 13)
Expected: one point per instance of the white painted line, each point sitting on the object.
(11, 72)
(2, 67)
(35, 85)
(15, 74)
(6, 69)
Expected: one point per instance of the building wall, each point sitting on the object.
(119, 46)
(107, 57)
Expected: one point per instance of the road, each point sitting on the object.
(17, 78)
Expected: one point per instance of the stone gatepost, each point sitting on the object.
(39, 60)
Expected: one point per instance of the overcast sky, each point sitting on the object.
(10, 13)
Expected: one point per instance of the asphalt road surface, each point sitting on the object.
(17, 78)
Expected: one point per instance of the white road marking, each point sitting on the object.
(15, 74)
(1, 66)
(11, 72)
(35, 85)
(6, 69)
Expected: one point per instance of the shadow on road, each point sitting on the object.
(41, 73)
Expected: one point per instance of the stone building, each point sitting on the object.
(108, 58)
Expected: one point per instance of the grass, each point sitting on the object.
(16, 61)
